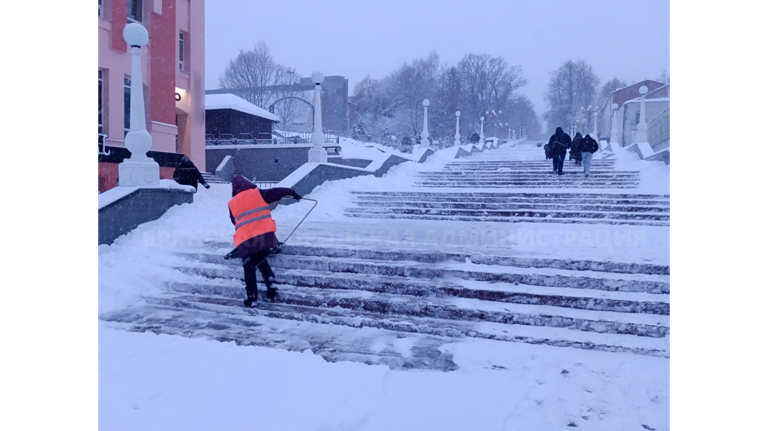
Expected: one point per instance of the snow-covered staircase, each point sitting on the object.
(398, 306)
(212, 178)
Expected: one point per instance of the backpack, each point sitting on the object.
(559, 147)
(591, 145)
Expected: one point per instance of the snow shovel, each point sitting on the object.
(233, 254)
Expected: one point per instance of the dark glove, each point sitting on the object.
(207, 186)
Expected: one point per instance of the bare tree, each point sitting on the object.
(252, 72)
(449, 98)
(608, 88)
(522, 114)
(393, 105)
(408, 86)
(488, 81)
(285, 98)
(571, 87)
(664, 77)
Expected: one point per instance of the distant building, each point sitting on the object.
(628, 117)
(173, 73)
(227, 114)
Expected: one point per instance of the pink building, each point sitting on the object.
(173, 68)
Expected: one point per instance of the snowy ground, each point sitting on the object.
(160, 382)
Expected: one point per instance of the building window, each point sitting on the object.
(637, 117)
(181, 51)
(101, 93)
(127, 104)
(135, 10)
(105, 10)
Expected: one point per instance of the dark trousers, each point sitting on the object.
(558, 162)
(250, 264)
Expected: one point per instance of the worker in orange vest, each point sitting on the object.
(250, 211)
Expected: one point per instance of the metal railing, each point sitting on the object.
(266, 139)
(103, 145)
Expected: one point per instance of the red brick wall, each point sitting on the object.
(162, 61)
(119, 20)
(108, 174)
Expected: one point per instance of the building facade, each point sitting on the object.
(620, 97)
(628, 115)
(173, 74)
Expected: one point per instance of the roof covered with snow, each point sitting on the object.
(230, 101)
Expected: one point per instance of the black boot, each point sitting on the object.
(271, 290)
(252, 299)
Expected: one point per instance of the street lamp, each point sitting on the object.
(587, 116)
(642, 128)
(424, 133)
(138, 170)
(317, 153)
(614, 129)
(457, 137)
(482, 136)
(594, 130)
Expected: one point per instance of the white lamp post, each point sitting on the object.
(594, 129)
(138, 170)
(457, 137)
(482, 136)
(614, 130)
(642, 128)
(317, 153)
(424, 133)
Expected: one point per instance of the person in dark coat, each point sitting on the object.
(576, 149)
(188, 174)
(250, 211)
(559, 142)
(589, 146)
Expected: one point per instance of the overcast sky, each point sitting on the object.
(354, 38)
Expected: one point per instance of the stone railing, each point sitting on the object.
(658, 131)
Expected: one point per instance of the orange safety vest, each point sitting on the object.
(252, 216)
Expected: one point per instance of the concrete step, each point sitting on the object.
(562, 199)
(337, 335)
(551, 214)
(402, 256)
(451, 309)
(212, 178)
(587, 184)
(526, 206)
(579, 292)
(332, 337)
(532, 174)
(505, 195)
(505, 219)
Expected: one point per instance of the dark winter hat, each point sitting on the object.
(559, 131)
(587, 137)
(241, 184)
